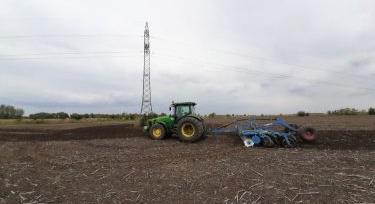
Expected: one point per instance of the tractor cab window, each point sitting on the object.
(182, 110)
(172, 110)
(192, 109)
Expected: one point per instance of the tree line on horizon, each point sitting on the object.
(352, 111)
(11, 112)
(78, 116)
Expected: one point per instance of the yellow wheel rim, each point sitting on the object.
(187, 130)
(156, 132)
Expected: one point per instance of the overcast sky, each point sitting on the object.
(240, 56)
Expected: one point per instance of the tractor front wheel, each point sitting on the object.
(190, 129)
(157, 132)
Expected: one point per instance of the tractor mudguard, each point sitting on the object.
(193, 116)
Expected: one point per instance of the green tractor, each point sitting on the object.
(183, 122)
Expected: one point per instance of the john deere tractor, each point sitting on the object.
(183, 122)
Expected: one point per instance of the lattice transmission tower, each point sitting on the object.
(146, 97)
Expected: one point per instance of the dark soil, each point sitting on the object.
(83, 133)
(118, 164)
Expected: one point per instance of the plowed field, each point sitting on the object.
(118, 164)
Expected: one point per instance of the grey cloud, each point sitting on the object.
(362, 62)
(218, 53)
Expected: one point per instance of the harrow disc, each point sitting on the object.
(256, 139)
(267, 141)
(288, 142)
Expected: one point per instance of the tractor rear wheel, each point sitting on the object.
(157, 132)
(190, 129)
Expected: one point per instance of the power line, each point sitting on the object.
(68, 53)
(264, 59)
(247, 56)
(276, 75)
(97, 54)
(67, 57)
(359, 77)
(58, 54)
(67, 36)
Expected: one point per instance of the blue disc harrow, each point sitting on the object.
(277, 133)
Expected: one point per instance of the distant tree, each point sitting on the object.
(43, 115)
(40, 115)
(144, 118)
(19, 113)
(62, 115)
(345, 111)
(36, 116)
(132, 116)
(76, 116)
(302, 113)
(371, 111)
(128, 116)
(10, 112)
(211, 115)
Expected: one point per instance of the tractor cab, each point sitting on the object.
(179, 110)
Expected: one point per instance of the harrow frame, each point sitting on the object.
(255, 134)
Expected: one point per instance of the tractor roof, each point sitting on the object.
(184, 104)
